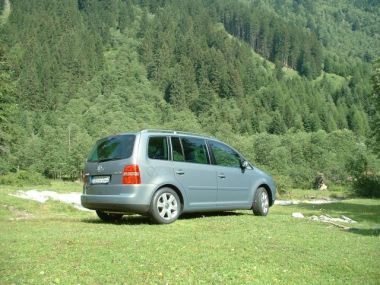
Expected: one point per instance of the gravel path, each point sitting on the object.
(310, 201)
(72, 198)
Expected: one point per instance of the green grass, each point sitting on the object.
(57, 244)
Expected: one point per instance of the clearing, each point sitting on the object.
(54, 243)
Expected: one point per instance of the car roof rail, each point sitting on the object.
(174, 132)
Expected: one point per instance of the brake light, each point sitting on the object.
(131, 174)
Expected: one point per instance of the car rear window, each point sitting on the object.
(158, 148)
(112, 148)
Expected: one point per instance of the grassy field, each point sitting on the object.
(53, 243)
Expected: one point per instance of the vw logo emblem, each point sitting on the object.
(99, 168)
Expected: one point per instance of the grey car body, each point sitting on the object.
(159, 159)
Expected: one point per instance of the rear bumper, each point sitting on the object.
(118, 198)
(116, 203)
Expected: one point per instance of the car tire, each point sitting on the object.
(260, 205)
(165, 207)
(108, 217)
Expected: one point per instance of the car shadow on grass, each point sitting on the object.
(358, 212)
(188, 216)
(141, 220)
(126, 220)
(365, 232)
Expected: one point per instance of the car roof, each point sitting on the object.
(173, 132)
(165, 132)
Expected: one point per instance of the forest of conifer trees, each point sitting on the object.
(289, 84)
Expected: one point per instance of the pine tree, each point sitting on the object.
(376, 100)
(7, 111)
(278, 125)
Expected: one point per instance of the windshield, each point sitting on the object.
(112, 148)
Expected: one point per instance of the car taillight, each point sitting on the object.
(131, 174)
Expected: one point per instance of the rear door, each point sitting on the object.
(105, 164)
(194, 172)
(233, 181)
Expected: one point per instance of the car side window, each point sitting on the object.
(224, 155)
(177, 149)
(195, 150)
(158, 148)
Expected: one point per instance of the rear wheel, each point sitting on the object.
(165, 207)
(260, 205)
(108, 217)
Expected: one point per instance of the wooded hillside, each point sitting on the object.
(292, 75)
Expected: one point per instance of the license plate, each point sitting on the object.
(100, 179)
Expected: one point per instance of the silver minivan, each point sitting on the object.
(167, 173)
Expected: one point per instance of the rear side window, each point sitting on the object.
(158, 148)
(177, 149)
(195, 150)
(112, 148)
(224, 155)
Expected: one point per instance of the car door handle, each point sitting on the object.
(221, 176)
(180, 172)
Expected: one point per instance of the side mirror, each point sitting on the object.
(244, 164)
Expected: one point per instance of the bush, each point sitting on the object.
(364, 168)
(283, 184)
(23, 178)
(367, 186)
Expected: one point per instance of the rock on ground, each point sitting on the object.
(298, 215)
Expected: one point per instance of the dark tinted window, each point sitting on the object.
(112, 148)
(224, 155)
(158, 148)
(177, 150)
(195, 150)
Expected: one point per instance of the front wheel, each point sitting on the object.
(109, 217)
(260, 205)
(165, 207)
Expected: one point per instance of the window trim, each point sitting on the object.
(171, 149)
(209, 149)
(210, 159)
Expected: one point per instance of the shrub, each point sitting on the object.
(23, 178)
(364, 169)
(283, 184)
(367, 186)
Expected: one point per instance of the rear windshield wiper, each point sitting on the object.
(105, 159)
(108, 159)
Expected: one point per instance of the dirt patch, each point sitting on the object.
(72, 198)
(310, 201)
(18, 214)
